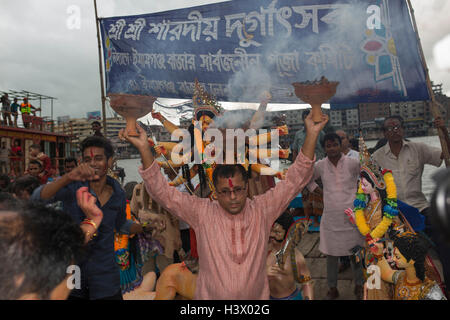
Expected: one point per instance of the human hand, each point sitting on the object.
(313, 127)
(157, 116)
(87, 202)
(83, 172)
(141, 142)
(439, 122)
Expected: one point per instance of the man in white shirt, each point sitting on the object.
(406, 160)
(346, 149)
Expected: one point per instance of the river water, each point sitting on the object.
(428, 185)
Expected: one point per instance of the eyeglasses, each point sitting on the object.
(390, 129)
(238, 192)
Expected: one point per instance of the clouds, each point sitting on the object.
(39, 53)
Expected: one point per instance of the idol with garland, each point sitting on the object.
(375, 210)
(375, 213)
(410, 281)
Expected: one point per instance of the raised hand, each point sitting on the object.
(140, 142)
(314, 127)
(87, 202)
(83, 172)
(157, 115)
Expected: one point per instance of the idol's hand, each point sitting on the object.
(376, 247)
(315, 128)
(158, 116)
(351, 215)
(141, 142)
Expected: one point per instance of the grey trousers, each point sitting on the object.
(332, 271)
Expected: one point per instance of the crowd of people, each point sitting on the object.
(160, 240)
(10, 112)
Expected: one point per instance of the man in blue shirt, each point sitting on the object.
(15, 111)
(100, 277)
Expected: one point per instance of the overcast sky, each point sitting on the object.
(39, 53)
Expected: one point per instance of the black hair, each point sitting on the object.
(305, 113)
(96, 122)
(382, 192)
(37, 244)
(69, 160)
(204, 113)
(36, 146)
(228, 171)
(25, 183)
(129, 187)
(4, 177)
(99, 142)
(285, 220)
(397, 117)
(413, 246)
(7, 200)
(35, 162)
(331, 136)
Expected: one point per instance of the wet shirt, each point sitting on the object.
(232, 249)
(99, 271)
(407, 169)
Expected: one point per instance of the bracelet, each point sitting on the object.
(92, 223)
(304, 279)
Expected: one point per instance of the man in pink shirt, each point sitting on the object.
(232, 232)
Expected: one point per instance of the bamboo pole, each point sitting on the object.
(100, 68)
(443, 133)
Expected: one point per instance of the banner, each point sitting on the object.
(94, 115)
(238, 49)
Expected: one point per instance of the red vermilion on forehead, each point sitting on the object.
(230, 183)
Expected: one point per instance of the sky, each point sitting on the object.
(43, 51)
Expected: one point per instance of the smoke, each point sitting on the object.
(337, 39)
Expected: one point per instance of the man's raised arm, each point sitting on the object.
(158, 187)
(83, 172)
(275, 201)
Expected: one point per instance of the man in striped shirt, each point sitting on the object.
(232, 232)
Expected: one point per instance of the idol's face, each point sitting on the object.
(232, 193)
(277, 234)
(400, 260)
(366, 186)
(206, 121)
